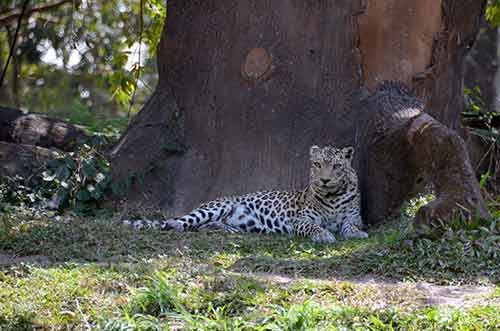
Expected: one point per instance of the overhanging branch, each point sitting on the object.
(6, 17)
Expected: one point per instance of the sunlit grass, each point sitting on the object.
(97, 274)
(166, 304)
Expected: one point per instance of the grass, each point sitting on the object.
(164, 304)
(97, 274)
(457, 257)
(56, 297)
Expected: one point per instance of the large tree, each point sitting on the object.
(246, 87)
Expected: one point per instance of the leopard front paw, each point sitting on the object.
(324, 237)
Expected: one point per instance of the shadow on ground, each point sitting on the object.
(386, 254)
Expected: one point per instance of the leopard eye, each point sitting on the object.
(336, 166)
(317, 164)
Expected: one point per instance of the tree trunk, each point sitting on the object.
(404, 151)
(246, 87)
(481, 65)
(482, 70)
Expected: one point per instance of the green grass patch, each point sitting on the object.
(164, 304)
(98, 274)
(468, 256)
(56, 298)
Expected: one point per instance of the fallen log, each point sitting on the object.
(39, 130)
(23, 160)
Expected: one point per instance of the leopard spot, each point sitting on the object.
(269, 223)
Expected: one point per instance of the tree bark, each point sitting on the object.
(481, 70)
(35, 129)
(481, 65)
(246, 87)
(404, 151)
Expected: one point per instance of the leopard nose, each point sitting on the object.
(325, 180)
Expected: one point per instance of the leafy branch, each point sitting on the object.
(14, 41)
(8, 16)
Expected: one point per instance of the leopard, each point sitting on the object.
(329, 204)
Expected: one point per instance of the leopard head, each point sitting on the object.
(330, 166)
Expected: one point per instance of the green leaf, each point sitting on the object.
(484, 179)
(89, 169)
(48, 176)
(71, 164)
(63, 173)
(54, 164)
(83, 195)
(62, 197)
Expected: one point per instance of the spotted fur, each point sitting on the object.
(331, 203)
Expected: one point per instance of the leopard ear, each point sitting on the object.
(348, 153)
(314, 150)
